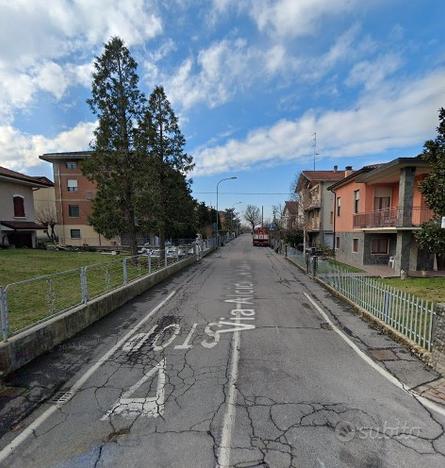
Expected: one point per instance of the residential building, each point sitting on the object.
(292, 216)
(317, 201)
(18, 226)
(378, 209)
(73, 200)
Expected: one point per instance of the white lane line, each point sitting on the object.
(13, 445)
(422, 400)
(230, 413)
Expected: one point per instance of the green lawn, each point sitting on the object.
(432, 289)
(20, 264)
(345, 266)
(32, 301)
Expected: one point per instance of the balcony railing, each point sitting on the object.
(392, 217)
(313, 224)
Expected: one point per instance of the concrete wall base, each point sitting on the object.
(27, 345)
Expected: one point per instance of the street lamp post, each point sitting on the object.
(217, 206)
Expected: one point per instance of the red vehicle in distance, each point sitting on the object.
(261, 236)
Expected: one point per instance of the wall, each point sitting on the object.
(345, 253)
(327, 205)
(7, 191)
(344, 222)
(370, 259)
(26, 346)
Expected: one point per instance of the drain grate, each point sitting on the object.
(61, 397)
(326, 326)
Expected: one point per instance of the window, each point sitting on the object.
(379, 246)
(71, 165)
(72, 185)
(337, 242)
(382, 203)
(73, 211)
(354, 245)
(75, 233)
(19, 206)
(356, 200)
(338, 206)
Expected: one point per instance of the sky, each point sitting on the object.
(250, 80)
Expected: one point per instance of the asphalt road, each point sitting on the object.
(228, 364)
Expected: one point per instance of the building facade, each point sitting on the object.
(73, 194)
(378, 209)
(18, 226)
(317, 202)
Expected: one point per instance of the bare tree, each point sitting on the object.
(48, 218)
(252, 215)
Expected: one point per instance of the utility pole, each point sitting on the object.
(315, 147)
(262, 217)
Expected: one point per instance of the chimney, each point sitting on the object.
(348, 170)
(335, 168)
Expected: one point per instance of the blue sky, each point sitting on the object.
(251, 81)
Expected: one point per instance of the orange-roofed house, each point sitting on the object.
(317, 201)
(377, 211)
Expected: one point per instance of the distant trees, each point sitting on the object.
(431, 237)
(231, 221)
(48, 218)
(252, 215)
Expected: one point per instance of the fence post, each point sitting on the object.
(84, 284)
(4, 312)
(125, 271)
(149, 263)
(165, 257)
(177, 253)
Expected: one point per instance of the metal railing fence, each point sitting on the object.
(406, 313)
(25, 303)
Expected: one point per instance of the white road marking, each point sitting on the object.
(229, 416)
(149, 406)
(422, 400)
(186, 344)
(14, 444)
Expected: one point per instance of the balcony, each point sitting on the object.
(391, 217)
(313, 203)
(313, 224)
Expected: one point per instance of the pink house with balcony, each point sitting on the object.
(377, 211)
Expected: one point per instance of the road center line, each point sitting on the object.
(422, 400)
(28, 431)
(229, 415)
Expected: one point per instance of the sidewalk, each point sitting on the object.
(396, 358)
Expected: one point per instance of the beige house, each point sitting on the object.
(18, 226)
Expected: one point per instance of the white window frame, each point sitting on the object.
(74, 186)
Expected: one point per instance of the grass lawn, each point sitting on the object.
(20, 264)
(33, 301)
(345, 266)
(432, 289)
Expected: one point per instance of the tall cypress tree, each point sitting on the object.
(171, 200)
(119, 162)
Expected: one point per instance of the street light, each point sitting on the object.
(217, 209)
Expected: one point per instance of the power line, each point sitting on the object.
(244, 193)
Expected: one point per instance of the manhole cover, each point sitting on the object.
(61, 397)
(383, 354)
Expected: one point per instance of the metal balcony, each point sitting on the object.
(392, 217)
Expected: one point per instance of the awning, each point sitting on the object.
(22, 225)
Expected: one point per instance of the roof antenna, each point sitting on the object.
(314, 144)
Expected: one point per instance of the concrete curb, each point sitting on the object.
(27, 345)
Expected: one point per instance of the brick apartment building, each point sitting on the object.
(377, 211)
(73, 199)
(317, 202)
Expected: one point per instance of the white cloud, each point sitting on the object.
(38, 40)
(392, 117)
(372, 73)
(20, 151)
(292, 18)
